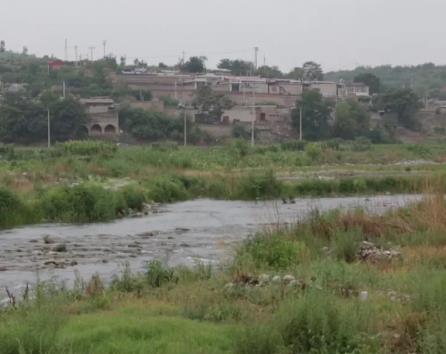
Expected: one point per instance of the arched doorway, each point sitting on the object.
(110, 130)
(95, 129)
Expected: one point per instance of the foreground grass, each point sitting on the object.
(306, 288)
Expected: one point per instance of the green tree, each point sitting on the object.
(352, 120)
(194, 65)
(22, 120)
(269, 72)
(238, 67)
(312, 71)
(372, 81)
(404, 103)
(316, 115)
(68, 116)
(210, 104)
(296, 74)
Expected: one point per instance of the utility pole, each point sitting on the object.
(66, 49)
(92, 52)
(185, 125)
(49, 129)
(300, 122)
(63, 89)
(253, 120)
(75, 55)
(256, 53)
(104, 44)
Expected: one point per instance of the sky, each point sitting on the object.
(339, 34)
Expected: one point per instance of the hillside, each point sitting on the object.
(426, 79)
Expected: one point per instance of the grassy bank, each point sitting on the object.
(97, 202)
(336, 283)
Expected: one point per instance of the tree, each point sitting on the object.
(238, 67)
(22, 120)
(352, 120)
(316, 115)
(312, 71)
(372, 81)
(210, 104)
(2, 46)
(404, 103)
(296, 74)
(269, 72)
(194, 65)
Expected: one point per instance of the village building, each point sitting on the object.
(103, 117)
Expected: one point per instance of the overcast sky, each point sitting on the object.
(338, 34)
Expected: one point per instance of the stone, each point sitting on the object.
(3, 269)
(61, 248)
(48, 239)
(288, 278)
(294, 284)
(229, 286)
(364, 295)
(277, 279)
(264, 278)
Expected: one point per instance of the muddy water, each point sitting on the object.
(179, 234)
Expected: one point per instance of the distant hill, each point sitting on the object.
(426, 79)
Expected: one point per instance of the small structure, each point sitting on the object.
(104, 118)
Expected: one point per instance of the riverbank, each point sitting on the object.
(348, 282)
(81, 182)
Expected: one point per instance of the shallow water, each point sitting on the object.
(179, 234)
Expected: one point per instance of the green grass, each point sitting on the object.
(140, 331)
(223, 310)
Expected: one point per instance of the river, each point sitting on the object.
(184, 233)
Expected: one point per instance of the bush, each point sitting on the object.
(321, 323)
(134, 197)
(81, 203)
(167, 190)
(361, 144)
(346, 245)
(157, 275)
(258, 340)
(314, 151)
(259, 186)
(12, 209)
(273, 251)
(293, 145)
(87, 148)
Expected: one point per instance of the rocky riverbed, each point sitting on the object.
(178, 234)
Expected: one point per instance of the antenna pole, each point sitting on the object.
(104, 44)
(66, 49)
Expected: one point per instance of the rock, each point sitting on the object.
(104, 261)
(61, 248)
(181, 230)
(33, 241)
(48, 240)
(288, 278)
(146, 234)
(3, 269)
(135, 245)
(277, 279)
(264, 278)
(364, 295)
(229, 286)
(56, 263)
(294, 284)
(185, 245)
(73, 263)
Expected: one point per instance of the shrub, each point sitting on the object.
(134, 197)
(361, 144)
(81, 203)
(157, 275)
(259, 186)
(258, 340)
(87, 148)
(346, 244)
(12, 209)
(294, 145)
(321, 323)
(314, 151)
(274, 251)
(167, 190)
